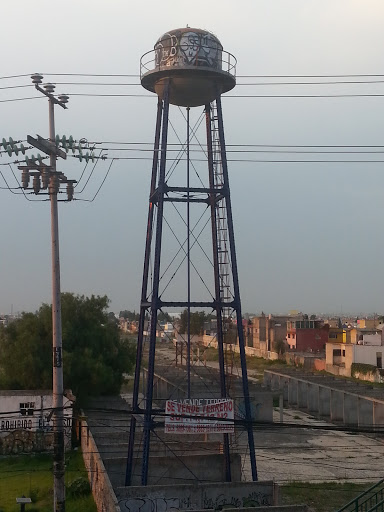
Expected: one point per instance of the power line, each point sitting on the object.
(21, 99)
(276, 151)
(245, 160)
(14, 76)
(231, 96)
(15, 86)
(356, 75)
(254, 145)
(247, 84)
(121, 95)
(101, 185)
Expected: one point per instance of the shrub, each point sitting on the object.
(79, 487)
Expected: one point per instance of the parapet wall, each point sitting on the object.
(101, 487)
(197, 496)
(340, 401)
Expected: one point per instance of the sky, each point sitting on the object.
(309, 235)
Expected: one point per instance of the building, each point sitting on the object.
(367, 323)
(264, 331)
(307, 335)
(340, 334)
(26, 423)
(365, 348)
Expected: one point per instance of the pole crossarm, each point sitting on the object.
(48, 147)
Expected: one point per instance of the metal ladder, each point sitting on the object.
(221, 221)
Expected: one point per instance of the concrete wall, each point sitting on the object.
(319, 364)
(160, 498)
(183, 469)
(250, 351)
(29, 426)
(341, 404)
(351, 353)
(27, 441)
(102, 490)
(278, 508)
(366, 354)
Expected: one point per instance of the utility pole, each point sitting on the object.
(58, 387)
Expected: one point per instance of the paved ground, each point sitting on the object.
(305, 453)
(308, 454)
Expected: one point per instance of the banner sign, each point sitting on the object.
(199, 416)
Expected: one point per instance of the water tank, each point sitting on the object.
(194, 62)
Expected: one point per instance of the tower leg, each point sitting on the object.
(158, 198)
(236, 290)
(143, 304)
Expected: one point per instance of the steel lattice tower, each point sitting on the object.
(189, 68)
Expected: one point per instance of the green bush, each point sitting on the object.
(362, 368)
(34, 494)
(78, 488)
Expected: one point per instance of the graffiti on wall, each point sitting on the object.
(218, 502)
(253, 499)
(25, 441)
(189, 48)
(149, 504)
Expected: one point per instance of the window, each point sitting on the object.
(332, 336)
(343, 353)
(336, 352)
(27, 408)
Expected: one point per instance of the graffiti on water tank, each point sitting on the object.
(180, 48)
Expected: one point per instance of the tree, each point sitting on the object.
(163, 316)
(197, 320)
(94, 356)
(129, 315)
(280, 347)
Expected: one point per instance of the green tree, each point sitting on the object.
(280, 347)
(196, 323)
(163, 316)
(94, 356)
(129, 315)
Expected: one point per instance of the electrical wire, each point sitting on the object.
(249, 84)
(351, 75)
(22, 99)
(248, 160)
(244, 151)
(248, 145)
(153, 96)
(91, 173)
(101, 185)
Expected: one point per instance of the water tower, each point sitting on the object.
(188, 67)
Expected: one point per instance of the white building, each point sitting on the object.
(367, 351)
(25, 415)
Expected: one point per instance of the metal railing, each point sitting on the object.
(227, 63)
(371, 500)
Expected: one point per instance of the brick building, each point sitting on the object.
(307, 335)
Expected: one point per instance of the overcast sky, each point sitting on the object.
(309, 236)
